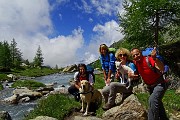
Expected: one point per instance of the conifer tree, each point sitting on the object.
(16, 55)
(5, 56)
(38, 59)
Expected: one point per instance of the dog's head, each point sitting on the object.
(85, 86)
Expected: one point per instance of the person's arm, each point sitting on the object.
(102, 62)
(112, 68)
(134, 75)
(158, 63)
(103, 68)
(77, 83)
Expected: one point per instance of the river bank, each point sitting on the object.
(18, 111)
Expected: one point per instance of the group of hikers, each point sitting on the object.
(150, 69)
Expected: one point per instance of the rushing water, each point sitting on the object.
(17, 112)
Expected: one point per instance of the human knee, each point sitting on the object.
(113, 85)
(71, 89)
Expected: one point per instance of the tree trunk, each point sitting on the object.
(156, 29)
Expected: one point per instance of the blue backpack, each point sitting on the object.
(90, 70)
(147, 52)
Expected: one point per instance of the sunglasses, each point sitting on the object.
(125, 55)
(135, 55)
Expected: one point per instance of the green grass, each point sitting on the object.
(56, 106)
(29, 72)
(31, 84)
(99, 83)
(35, 72)
(3, 77)
(170, 101)
(1, 86)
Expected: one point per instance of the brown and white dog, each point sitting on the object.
(88, 95)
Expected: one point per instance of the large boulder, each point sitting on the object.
(130, 109)
(71, 68)
(24, 94)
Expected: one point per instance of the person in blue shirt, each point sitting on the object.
(107, 60)
(109, 92)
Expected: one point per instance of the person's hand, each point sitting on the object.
(117, 75)
(80, 89)
(108, 81)
(132, 75)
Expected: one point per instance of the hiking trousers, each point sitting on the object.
(74, 91)
(156, 109)
(109, 92)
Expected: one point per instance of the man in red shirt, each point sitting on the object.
(154, 80)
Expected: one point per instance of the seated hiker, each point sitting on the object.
(107, 60)
(109, 92)
(155, 81)
(82, 74)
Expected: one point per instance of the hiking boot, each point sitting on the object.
(108, 106)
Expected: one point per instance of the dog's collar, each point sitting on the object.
(86, 92)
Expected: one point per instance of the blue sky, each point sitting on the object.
(68, 31)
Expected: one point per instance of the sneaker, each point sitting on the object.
(108, 106)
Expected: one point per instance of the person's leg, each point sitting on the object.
(162, 111)
(155, 103)
(75, 92)
(112, 77)
(116, 87)
(105, 93)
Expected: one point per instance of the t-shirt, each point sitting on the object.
(108, 62)
(148, 75)
(78, 78)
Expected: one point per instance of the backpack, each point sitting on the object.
(147, 53)
(112, 50)
(90, 70)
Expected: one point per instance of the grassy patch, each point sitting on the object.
(99, 83)
(1, 86)
(35, 72)
(31, 84)
(170, 101)
(3, 77)
(57, 106)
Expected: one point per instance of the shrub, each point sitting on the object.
(56, 106)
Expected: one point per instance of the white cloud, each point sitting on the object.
(30, 24)
(101, 7)
(107, 34)
(90, 20)
(86, 7)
